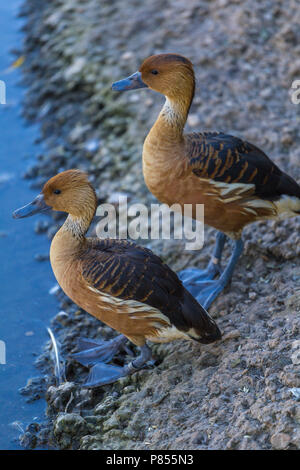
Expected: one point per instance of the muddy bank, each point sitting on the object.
(239, 393)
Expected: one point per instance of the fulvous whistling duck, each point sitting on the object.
(123, 285)
(236, 181)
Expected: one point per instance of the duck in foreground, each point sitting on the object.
(123, 285)
(236, 181)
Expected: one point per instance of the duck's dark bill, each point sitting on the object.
(37, 205)
(130, 83)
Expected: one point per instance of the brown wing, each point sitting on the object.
(125, 270)
(225, 158)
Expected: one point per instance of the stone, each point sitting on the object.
(280, 440)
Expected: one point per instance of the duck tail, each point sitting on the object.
(201, 326)
(290, 195)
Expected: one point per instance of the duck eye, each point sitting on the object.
(154, 72)
(57, 191)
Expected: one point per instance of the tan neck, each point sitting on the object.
(70, 237)
(172, 118)
(77, 227)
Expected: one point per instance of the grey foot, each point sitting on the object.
(103, 374)
(191, 276)
(95, 351)
(207, 290)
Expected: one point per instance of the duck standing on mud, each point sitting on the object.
(124, 285)
(236, 181)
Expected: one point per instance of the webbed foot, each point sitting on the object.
(206, 289)
(104, 374)
(206, 292)
(94, 351)
(191, 275)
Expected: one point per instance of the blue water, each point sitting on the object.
(25, 304)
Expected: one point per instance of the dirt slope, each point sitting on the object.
(235, 394)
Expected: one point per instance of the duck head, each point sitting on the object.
(69, 191)
(169, 74)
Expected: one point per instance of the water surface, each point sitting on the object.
(26, 306)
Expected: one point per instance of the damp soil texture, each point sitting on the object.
(240, 393)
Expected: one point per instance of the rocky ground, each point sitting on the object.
(242, 392)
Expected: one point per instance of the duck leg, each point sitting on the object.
(192, 275)
(94, 351)
(205, 291)
(103, 374)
